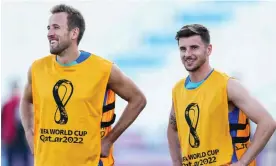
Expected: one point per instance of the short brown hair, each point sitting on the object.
(74, 19)
(193, 30)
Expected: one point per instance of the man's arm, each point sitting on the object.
(255, 112)
(26, 111)
(128, 91)
(174, 145)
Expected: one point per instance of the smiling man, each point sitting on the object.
(70, 91)
(209, 121)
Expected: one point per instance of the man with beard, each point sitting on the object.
(209, 120)
(68, 90)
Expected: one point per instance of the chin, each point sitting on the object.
(191, 69)
(52, 52)
(55, 52)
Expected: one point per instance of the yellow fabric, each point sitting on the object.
(202, 121)
(73, 137)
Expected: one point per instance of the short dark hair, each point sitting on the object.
(74, 19)
(193, 30)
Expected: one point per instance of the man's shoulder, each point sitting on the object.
(100, 58)
(221, 77)
(221, 73)
(43, 59)
(179, 83)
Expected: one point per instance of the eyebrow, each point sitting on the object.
(53, 25)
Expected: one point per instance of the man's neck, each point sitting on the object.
(68, 56)
(200, 74)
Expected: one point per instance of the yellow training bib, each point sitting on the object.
(68, 103)
(202, 122)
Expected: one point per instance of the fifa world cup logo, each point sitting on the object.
(62, 99)
(192, 110)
